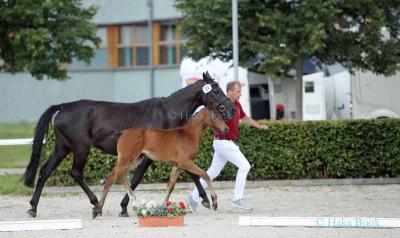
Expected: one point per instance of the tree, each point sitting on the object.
(278, 35)
(40, 36)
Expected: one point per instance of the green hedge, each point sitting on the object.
(289, 150)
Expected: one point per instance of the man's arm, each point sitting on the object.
(251, 122)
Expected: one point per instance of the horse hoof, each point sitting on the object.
(32, 212)
(206, 204)
(215, 206)
(96, 212)
(123, 214)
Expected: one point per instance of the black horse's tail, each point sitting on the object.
(41, 129)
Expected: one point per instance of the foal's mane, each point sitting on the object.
(189, 122)
(195, 116)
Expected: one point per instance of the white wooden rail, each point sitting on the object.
(24, 141)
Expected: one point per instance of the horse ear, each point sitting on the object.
(205, 78)
(209, 77)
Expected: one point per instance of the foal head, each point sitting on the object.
(211, 118)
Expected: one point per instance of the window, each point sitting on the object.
(128, 45)
(170, 44)
(100, 58)
(309, 87)
(133, 46)
(124, 46)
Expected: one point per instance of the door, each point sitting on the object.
(314, 97)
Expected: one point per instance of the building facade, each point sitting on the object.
(120, 70)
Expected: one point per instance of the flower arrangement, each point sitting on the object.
(166, 209)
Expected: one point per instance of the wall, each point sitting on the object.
(127, 11)
(23, 98)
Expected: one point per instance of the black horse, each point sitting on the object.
(81, 124)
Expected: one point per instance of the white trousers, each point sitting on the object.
(226, 150)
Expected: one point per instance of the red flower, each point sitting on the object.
(182, 205)
(170, 209)
(168, 203)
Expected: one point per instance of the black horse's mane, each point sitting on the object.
(180, 91)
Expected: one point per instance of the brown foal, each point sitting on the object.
(178, 147)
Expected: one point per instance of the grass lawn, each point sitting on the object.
(16, 156)
(10, 184)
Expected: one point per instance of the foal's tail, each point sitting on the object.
(41, 129)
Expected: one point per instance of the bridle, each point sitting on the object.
(220, 107)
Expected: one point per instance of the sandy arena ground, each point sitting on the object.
(313, 201)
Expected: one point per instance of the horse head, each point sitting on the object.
(212, 118)
(214, 97)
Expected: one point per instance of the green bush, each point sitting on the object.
(289, 150)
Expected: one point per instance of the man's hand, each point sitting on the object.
(251, 122)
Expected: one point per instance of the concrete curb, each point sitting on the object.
(220, 184)
(230, 184)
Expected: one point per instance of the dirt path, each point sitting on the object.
(349, 200)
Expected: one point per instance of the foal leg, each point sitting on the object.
(118, 172)
(173, 177)
(202, 193)
(98, 209)
(128, 189)
(192, 167)
(47, 169)
(124, 166)
(137, 177)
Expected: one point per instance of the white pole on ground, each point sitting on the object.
(32, 225)
(333, 222)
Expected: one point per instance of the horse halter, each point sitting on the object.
(220, 106)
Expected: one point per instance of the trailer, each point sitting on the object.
(375, 96)
(255, 98)
(362, 95)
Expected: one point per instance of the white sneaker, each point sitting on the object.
(241, 203)
(192, 204)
